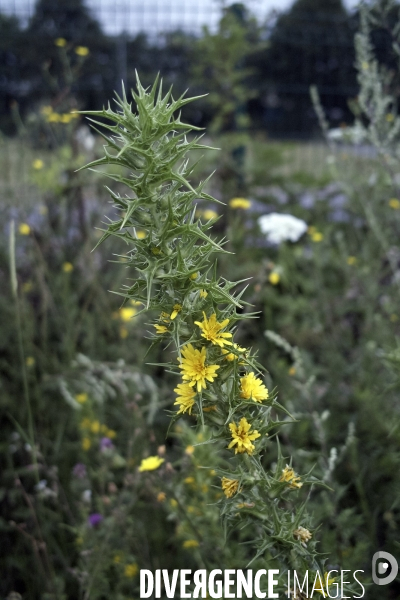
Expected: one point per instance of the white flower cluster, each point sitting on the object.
(279, 228)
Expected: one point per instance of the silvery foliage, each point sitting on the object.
(280, 227)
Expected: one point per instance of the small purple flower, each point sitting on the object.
(95, 519)
(106, 443)
(79, 471)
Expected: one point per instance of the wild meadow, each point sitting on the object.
(198, 372)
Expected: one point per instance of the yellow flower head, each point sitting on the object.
(242, 436)
(127, 313)
(327, 581)
(60, 42)
(253, 388)
(191, 544)
(140, 234)
(351, 260)
(231, 355)
(185, 399)
(81, 51)
(24, 229)
(161, 496)
(189, 480)
(189, 450)
(274, 278)
(317, 236)
(95, 427)
(240, 203)
(210, 214)
(160, 329)
(229, 486)
(194, 276)
(194, 369)
(290, 477)
(38, 164)
(151, 463)
(203, 294)
(67, 267)
(30, 361)
(302, 535)
(86, 443)
(117, 558)
(131, 570)
(394, 203)
(81, 398)
(212, 330)
(176, 309)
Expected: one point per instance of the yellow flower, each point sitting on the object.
(253, 388)
(191, 544)
(53, 118)
(173, 503)
(95, 427)
(46, 110)
(317, 236)
(302, 535)
(212, 330)
(274, 278)
(30, 361)
(351, 260)
(292, 371)
(151, 463)
(242, 436)
(189, 480)
(327, 581)
(140, 234)
(24, 229)
(231, 355)
(185, 399)
(127, 313)
(130, 570)
(110, 433)
(194, 368)
(117, 559)
(38, 164)
(203, 294)
(290, 477)
(66, 118)
(161, 496)
(86, 443)
(67, 267)
(189, 450)
(239, 203)
(176, 309)
(161, 329)
(210, 214)
(60, 42)
(81, 51)
(394, 203)
(229, 486)
(81, 398)
(194, 276)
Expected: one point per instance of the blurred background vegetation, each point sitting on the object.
(80, 406)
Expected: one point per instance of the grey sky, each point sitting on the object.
(155, 16)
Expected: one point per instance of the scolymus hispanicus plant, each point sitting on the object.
(220, 384)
